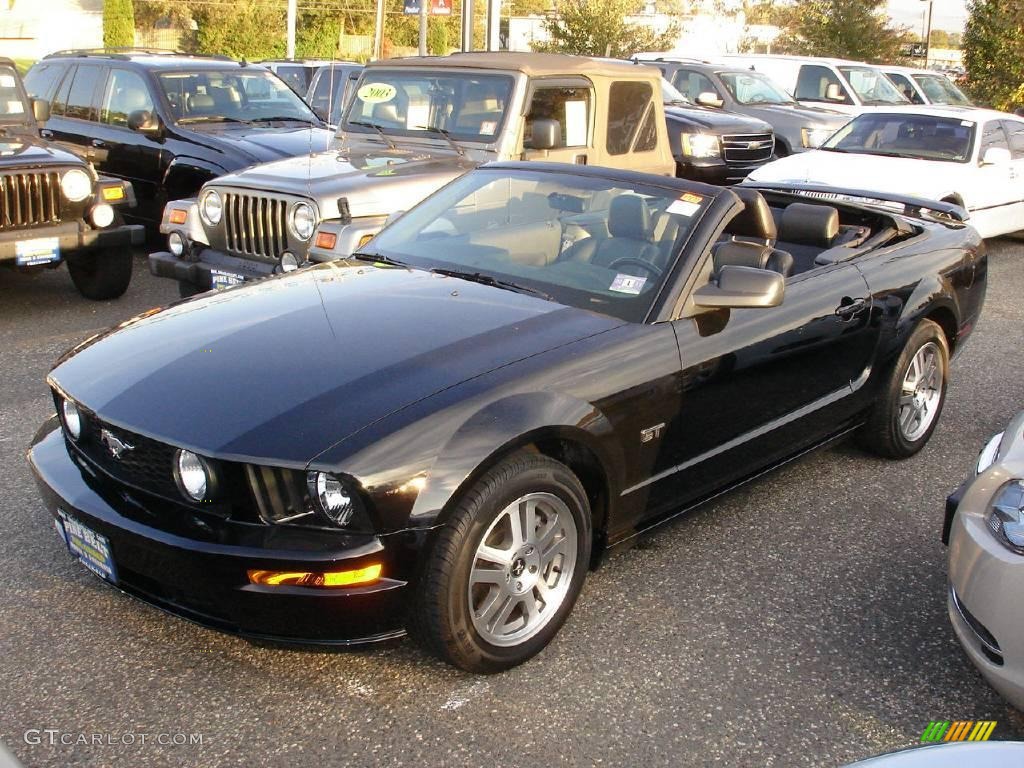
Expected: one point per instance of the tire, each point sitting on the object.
(187, 290)
(450, 614)
(102, 275)
(905, 415)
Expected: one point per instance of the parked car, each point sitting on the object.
(923, 86)
(987, 754)
(448, 429)
(743, 91)
(970, 157)
(847, 86)
(330, 90)
(168, 123)
(297, 73)
(984, 529)
(54, 208)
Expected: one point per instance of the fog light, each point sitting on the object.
(178, 216)
(289, 262)
(176, 243)
(326, 240)
(353, 578)
(102, 215)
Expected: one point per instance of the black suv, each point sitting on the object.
(170, 122)
(53, 206)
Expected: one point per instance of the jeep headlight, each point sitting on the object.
(1006, 518)
(211, 207)
(303, 221)
(331, 498)
(814, 137)
(76, 185)
(701, 145)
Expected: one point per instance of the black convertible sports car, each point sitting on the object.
(444, 432)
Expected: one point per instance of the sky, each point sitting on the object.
(946, 14)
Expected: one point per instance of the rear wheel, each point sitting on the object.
(101, 275)
(505, 571)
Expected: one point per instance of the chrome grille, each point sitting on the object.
(255, 225)
(29, 199)
(748, 148)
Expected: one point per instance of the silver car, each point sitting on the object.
(985, 532)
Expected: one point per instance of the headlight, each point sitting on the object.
(176, 243)
(701, 145)
(814, 137)
(102, 216)
(210, 207)
(192, 475)
(1006, 520)
(72, 418)
(288, 262)
(331, 498)
(76, 185)
(303, 221)
(989, 454)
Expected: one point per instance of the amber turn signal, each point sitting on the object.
(364, 240)
(353, 578)
(113, 194)
(178, 215)
(326, 240)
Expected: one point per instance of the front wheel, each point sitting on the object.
(506, 569)
(905, 416)
(102, 275)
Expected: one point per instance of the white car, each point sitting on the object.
(925, 86)
(973, 158)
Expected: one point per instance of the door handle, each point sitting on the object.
(98, 143)
(849, 308)
(580, 159)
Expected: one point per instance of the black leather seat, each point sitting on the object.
(807, 230)
(755, 221)
(630, 236)
(753, 235)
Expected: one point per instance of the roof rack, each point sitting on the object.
(128, 52)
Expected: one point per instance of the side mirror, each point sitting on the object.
(996, 156)
(709, 99)
(740, 287)
(834, 93)
(143, 121)
(41, 110)
(545, 134)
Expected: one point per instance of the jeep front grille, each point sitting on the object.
(255, 225)
(29, 199)
(748, 148)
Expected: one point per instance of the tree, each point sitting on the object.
(599, 28)
(993, 46)
(849, 29)
(118, 24)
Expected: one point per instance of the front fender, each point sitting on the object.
(185, 175)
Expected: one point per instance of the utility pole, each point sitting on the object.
(467, 25)
(424, 7)
(378, 32)
(493, 25)
(928, 35)
(292, 11)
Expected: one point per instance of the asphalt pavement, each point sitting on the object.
(799, 621)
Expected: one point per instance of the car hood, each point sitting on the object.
(807, 116)
(715, 121)
(853, 171)
(25, 150)
(280, 370)
(259, 144)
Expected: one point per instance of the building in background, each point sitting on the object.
(30, 29)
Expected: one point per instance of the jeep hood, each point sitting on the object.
(280, 370)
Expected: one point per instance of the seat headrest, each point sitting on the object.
(628, 216)
(755, 220)
(200, 101)
(809, 224)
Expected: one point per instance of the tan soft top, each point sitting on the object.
(532, 64)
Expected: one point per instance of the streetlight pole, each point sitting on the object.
(424, 7)
(928, 35)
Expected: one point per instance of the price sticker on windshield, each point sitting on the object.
(630, 284)
(376, 93)
(687, 204)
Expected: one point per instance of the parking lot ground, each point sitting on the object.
(799, 621)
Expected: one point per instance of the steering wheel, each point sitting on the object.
(635, 262)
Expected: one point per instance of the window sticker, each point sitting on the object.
(685, 205)
(7, 81)
(488, 127)
(630, 284)
(15, 107)
(376, 93)
(575, 123)
(417, 115)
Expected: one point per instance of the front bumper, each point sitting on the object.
(986, 579)
(203, 578)
(73, 237)
(214, 269)
(713, 170)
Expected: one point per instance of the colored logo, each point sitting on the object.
(958, 730)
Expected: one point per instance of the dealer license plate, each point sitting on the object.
(92, 549)
(222, 279)
(42, 250)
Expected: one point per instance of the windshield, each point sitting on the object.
(12, 104)
(940, 90)
(332, 90)
(469, 107)
(245, 96)
(872, 86)
(754, 88)
(670, 94)
(592, 243)
(897, 135)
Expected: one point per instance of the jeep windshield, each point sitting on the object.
(13, 106)
(232, 96)
(604, 244)
(752, 88)
(407, 102)
(873, 88)
(922, 137)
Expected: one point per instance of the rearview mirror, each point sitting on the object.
(41, 110)
(143, 121)
(709, 99)
(545, 134)
(834, 93)
(740, 287)
(996, 156)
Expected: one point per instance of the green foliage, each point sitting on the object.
(118, 24)
(848, 29)
(251, 30)
(993, 46)
(599, 28)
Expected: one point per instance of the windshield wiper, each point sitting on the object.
(284, 118)
(212, 119)
(378, 129)
(494, 282)
(378, 258)
(443, 132)
(835, 149)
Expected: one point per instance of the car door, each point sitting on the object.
(815, 83)
(905, 86)
(692, 84)
(122, 151)
(1015, 136)
(759, 385)
(73, 113)
(570, 102)
(989, 193)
